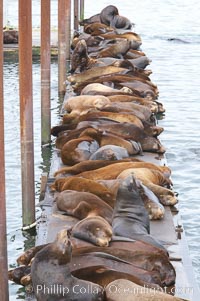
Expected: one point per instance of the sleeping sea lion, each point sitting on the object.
(82, 204)
(82, 102)
(56, 257)
(114, 170)
(100, 89)
(83, 185)
(110, 152)
(94, 229)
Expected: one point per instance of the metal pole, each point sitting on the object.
(81, 9)
(68, 28)
(61, 46)
(3, 238)
(45, 55)
(26, 111)
(76, 14)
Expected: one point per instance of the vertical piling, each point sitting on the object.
(68, 27)
(76, 14)
(61, 46)
(82, 5)
(26, 111)
(3, 239)
(45, 55)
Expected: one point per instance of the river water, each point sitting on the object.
(176, 71)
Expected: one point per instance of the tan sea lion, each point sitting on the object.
(100, 89)
(81, 204)
(97, 28)
(94, 229)
(153, 179)
(130, 291)
(117, 50)
(82, 102)
(83, 185)
(112, 171)
(56, 257)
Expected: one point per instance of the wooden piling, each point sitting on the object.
(82, 8)
(61, 46)
(76, 14)
(45, 54)
(3, 239)
(26, 111)
(68, 27)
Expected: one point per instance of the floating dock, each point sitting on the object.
(168, 230)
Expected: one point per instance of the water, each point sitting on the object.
(176, 71)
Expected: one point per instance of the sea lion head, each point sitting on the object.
(93, 229)
(152, 144)
(108, 13)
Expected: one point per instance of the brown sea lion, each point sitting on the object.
(82, 204)
(77, 150)
(97, 28)
(119, 117)
(118, 50)
(18, 273)
(65, 136)
(85, 260)
(56, 257)
(112, 171)
(132, 37)
(86, 75)
(148, 258)
(144, 90)
(10, 36)
(153, 179)
(130, 291)
(83, 185)
(94, 229)
(89, 165)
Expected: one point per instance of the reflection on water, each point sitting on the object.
(176, 71)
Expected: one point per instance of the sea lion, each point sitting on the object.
(141, 62)
(83, 185)
(132, 37)
(89, 165)
(120, 22)
(143, 89)
(56, 257)
(152, 105)
(145, 257)
(107, 14)
(112, 171)
(130, 291)
(130, 219)
(117, 50)
(65, 136)
(85, 260)
(87, 75)
(119, 117)
(16, 275)
(93, 229)
(77, 150)
(97, 28)
(155, 181)
(82, 204)
(10, 36)
(82, 102)
(100, 89)
(110, 152)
